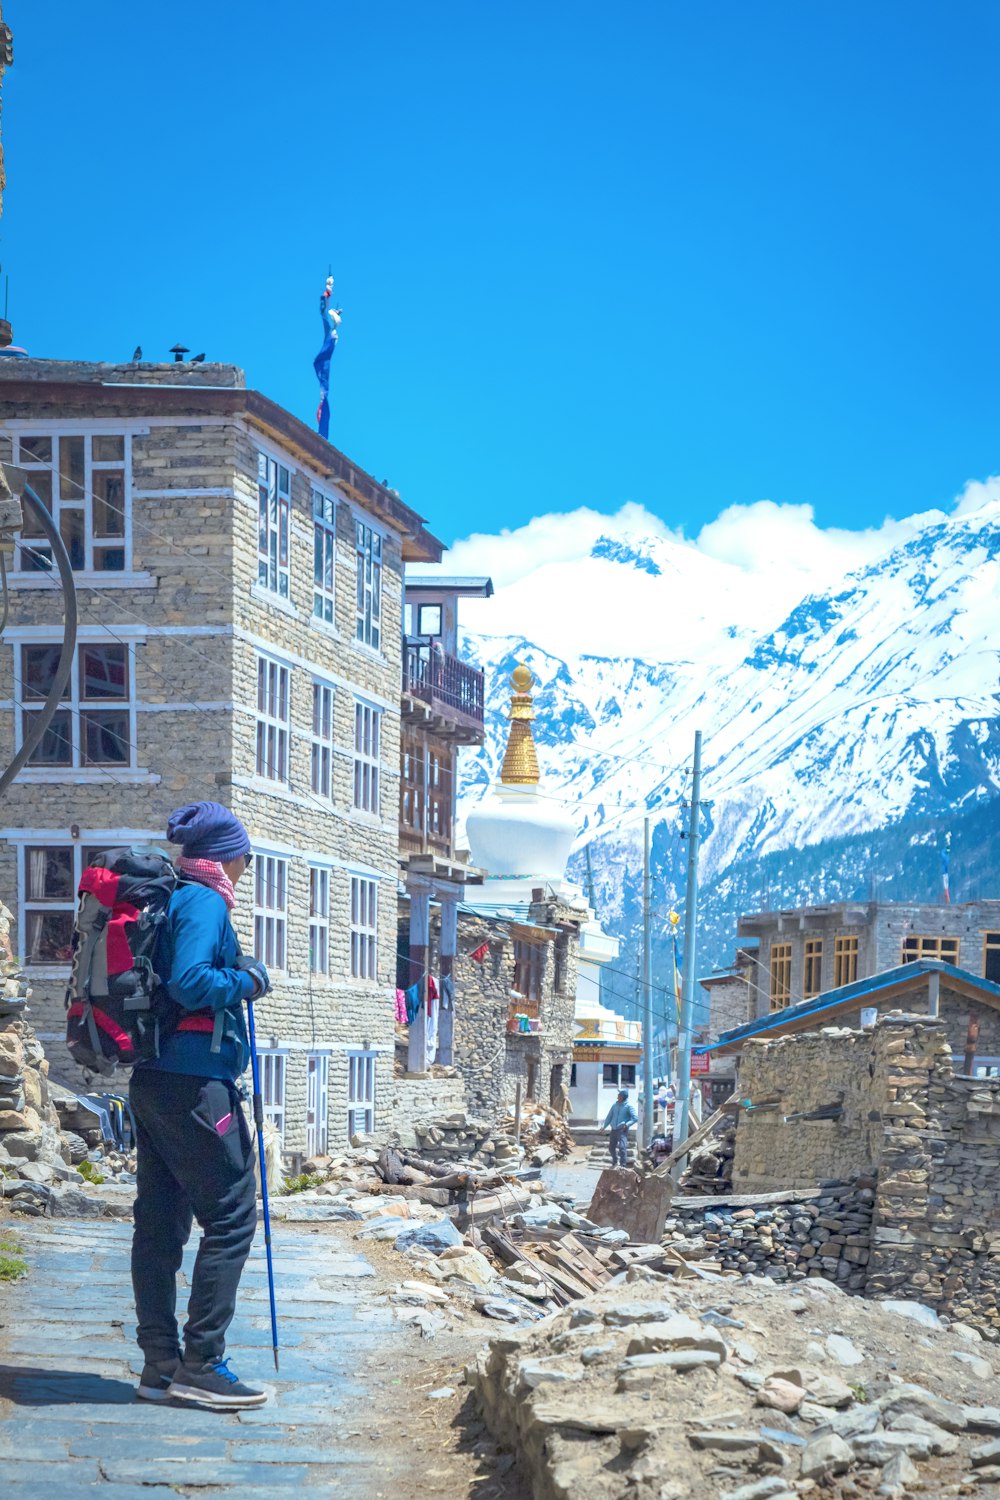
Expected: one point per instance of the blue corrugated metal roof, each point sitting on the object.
(848, 992)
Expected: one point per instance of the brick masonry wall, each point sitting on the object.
(197, 619)
(805, 1072)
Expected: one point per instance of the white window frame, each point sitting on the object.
(273, 1068)
(364, 927)
(367, 753)
(273, 719)
(274, 524)
(321, 741)
(27, 904)
(317, 1103)
(77, 707)
(83, 501)
(369, 549)
(319, 919)
(270, 909)
(361, 1092)
(324, 509)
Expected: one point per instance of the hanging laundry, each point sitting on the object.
(432, 989)
(432, 1032)
(412, 996)
(401, 1007)
(480, 953)
(447, 991)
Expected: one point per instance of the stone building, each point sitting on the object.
(968, 1007)
(730, 997)
(806, 951)
(240, 586)
(902, 1133)
(441, 711)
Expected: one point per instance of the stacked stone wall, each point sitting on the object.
(413, 1101)
(799, 1074)
(825, 1235)
(936, 1232)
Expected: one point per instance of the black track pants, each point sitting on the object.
(195, 1160)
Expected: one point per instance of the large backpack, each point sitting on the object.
(117, 1010)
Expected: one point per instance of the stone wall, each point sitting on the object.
(29, 1125)
(491, 1060)
(413, 1100)
(936, 1231)
(801, 1073)
(824, 1234)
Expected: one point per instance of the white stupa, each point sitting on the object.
(519, 836)
(521, 839)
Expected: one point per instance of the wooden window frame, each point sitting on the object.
(319, 919)
(317, 1103)
(369, 558)
(529, 968)
(361, 1086)
(81, 499)
(780, 992)
(273, 720)
(273, 1067)
(321, 760)
(364, 928)
(846, 950)
(270, 909)
(991, 945)
(78, 706)
(930, 945)
(367, 756)
(812, 968)
(324, 509)
(274, 524)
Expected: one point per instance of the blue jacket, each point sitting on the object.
(620, 1116)
(196, 957)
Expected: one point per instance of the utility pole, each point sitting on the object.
(647, 997)
(683, 1113)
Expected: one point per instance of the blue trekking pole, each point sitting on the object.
(258, 1119)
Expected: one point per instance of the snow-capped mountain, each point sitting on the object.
(872, 705)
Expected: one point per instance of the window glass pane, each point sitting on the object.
(41, 483)
(103, 671)
(38, 670)
(104, 738)
(71, 471)
(109, 559)
(109, 502)
(71, 530)
(49, 937)
(108, 447)
(36, 449)
(56, 748)
(430, 619)
(49, 870)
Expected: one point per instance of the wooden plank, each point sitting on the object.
(694, 1140)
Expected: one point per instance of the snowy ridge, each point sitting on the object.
(850, 710)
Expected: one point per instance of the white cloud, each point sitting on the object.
(743, 571)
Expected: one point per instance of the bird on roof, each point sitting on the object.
(137, 354)
(197, 359)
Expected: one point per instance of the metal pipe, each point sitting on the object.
(647, 997)
(683, 1113)
(46, 714)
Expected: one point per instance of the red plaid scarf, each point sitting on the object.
(209, 872)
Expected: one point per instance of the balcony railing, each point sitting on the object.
(444, 683)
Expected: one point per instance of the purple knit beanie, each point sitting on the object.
(207, 830)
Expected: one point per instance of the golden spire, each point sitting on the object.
(520, 763)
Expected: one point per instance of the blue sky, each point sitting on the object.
(684, 255)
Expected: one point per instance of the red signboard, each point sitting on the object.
(700, 1062)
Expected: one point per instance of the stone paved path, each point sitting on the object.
(70, 1425)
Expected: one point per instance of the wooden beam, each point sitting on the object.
(694, 1140)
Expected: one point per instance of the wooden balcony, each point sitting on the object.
(443, 692)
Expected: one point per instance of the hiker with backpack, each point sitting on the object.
(194, 1149)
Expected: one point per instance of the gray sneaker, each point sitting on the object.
(213, 1385)
(154, 1382)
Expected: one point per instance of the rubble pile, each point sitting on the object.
(540, 1127)
(455, 1136)
(821, 1234)
(741, 1390)
(710, 1165)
